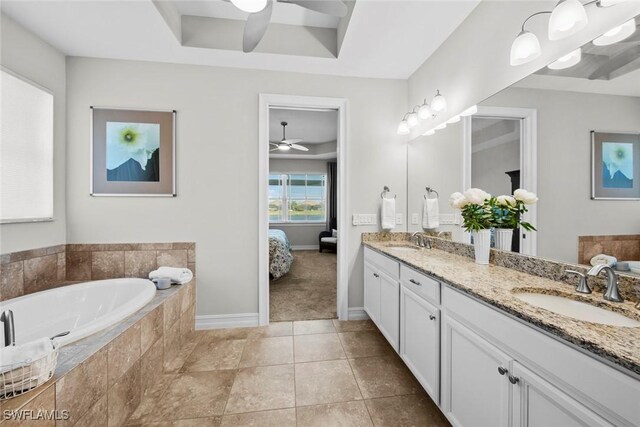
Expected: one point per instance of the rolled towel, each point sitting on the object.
(16, 354)
(430, 214)
(179, 276)
(604, 259)
(388, 214)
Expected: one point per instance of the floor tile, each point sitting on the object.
(262, 388)
(325, 382)
(405, 411)
(276, 418)
(353, 325)
(347, 414)
(384, 376)
(215, 355)
(365, 344)
(306, 327)
(211, 335)
(274, 329)
(267, 351)
(312, 348)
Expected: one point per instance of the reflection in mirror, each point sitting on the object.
(537, 134)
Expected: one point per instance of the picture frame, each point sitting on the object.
(132, 152)
(615, 165)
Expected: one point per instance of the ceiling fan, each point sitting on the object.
(260, 15)
(287, 144)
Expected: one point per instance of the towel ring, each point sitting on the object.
(385, 191)
(429, 191)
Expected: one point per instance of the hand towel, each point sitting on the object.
(16, 354)
(430, 214)
(388, 214)
(604, 259)
(179, 276)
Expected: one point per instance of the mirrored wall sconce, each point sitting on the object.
(421, 113)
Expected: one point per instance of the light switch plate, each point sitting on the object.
(414, 219)
(399, 219)
(355, 220)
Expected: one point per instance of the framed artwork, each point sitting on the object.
(132, 152)
(615, 166)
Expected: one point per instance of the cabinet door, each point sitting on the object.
(420, 340)
(390, 310)
(372, 292)
(474, 392)
(537, 403)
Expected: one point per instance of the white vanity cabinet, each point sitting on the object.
(382, 294)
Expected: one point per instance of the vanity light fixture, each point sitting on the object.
(469, 111)
(250, 6)
(403, 126)
(412, 119)
(566, 61)
(454, 119)
(616, 34)
(441, 126)
(429, 132)
(424, 112)
(567, 18)
(439, 103)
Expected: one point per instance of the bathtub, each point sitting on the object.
(83, 309)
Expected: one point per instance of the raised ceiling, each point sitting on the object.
(384, 38)
(318, 130)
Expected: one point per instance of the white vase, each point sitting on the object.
(504, 237)
(482, 245)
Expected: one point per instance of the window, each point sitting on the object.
(297, 198)
(26, 151)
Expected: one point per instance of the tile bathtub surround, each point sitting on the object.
(104, 378)
(40, 269)
(623, 247)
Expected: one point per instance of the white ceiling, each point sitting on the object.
(313, 127)
(385, 38)
(627, 85)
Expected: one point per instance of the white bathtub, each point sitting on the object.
(83, 309)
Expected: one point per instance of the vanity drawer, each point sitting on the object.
(388, 265)
(423, 285)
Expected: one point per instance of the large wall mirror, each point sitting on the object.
(571, 135)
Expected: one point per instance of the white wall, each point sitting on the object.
(488, 167)
(32, 58)
(217, 163)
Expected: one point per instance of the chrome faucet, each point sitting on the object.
(9, 329)
(611, 293)
(582, 287)
(421, 240)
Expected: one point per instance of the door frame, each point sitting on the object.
(528, 161)
(265, 102)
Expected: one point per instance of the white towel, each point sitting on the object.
(30, 351)
(177, 275)
(430, 214)
(604, 259)
(388, 214)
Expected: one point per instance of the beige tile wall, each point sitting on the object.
(623, 247)
(31, 271)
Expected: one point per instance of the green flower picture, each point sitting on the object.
(617, 168)
(132, 151)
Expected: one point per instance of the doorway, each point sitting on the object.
(294, 201)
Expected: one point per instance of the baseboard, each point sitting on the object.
(357, 313)
(218, 321)
(305, 247)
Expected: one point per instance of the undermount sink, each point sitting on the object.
(577, 309)
(403, 248)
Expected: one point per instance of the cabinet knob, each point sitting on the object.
(415, 283)
(502, 370)
(513, 380)
(376, 275)
(432, 317)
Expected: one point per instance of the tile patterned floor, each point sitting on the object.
(309, 373)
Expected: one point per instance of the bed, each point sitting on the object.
(280, 257)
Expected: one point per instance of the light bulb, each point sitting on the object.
(441, 126)
(403, 128)
(424, 112)
(607, 3)
(525, 48)
(567, 61)
(616, 34)
(567, 18)
(454, 119)
(470, 111)
(412, 120)
(429, 132)
(250, 6)
(283, 147)
(439, 103)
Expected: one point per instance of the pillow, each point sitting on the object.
(334, 233)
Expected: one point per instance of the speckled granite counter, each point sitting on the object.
(496, 286)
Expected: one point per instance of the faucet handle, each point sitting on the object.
(583, 286)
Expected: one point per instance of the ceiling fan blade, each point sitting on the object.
(255, 27)
(273, 143)
(298, 147)
(329, 7)
(291, 141)
(273, 149)
(616, 62)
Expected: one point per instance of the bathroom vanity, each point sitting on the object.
(489, 359)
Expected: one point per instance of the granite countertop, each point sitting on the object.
(496, 286)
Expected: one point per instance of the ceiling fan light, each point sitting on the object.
(454, 119)
(283, 147)
(470, 111)
(424, 112)
(616, 34)
(441, 126)
(429, 132)
(412, 120)
(250, 6)
(525, 48)
(567, 61)
(403, 128)
(439, 103)
(607, 3)
(567, 18)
